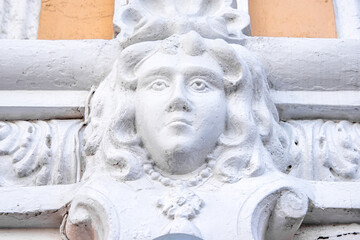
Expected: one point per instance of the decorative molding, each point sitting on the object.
(183, 124)
(291, 64)
(333, 156)
(333, 203)
(273, 212)
(30, 105)
(324, 150)
(55, 65)
(78, 65)
(136, 21)
(39, 152)
(35, 207)
(307, 105)
(308, 64)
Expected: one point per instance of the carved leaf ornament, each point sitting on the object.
(39, 152)
(142, 20)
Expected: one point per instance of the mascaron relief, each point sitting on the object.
(180, 103)
(182, 132)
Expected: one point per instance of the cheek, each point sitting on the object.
(148, 111)
(151, 101)
(213, 112)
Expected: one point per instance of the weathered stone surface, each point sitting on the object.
(19, 19)
(347, 16)
(55, 65)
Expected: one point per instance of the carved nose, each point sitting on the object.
(178, 104)
(178, 100)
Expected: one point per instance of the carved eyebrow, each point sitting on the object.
(210, 76)
(149, 76)
(157, 71)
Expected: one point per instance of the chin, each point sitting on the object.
(177, 131)
(184, 146)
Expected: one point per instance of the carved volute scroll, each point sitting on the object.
(92, 216)
(274, 212)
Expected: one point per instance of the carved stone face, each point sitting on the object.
(180, 109)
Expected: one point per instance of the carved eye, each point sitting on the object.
(159, 85)
(199, 85)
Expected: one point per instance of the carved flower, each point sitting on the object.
(180, 203)
(143, 20)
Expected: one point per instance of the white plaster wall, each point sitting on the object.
(55, 65)
(292, 64)
(347, 17)
(301, 64)
(19, 19)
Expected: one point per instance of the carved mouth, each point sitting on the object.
(179, 121)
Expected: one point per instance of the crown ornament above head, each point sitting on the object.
(150, 20)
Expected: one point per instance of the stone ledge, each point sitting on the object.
(33, 105)
(331, 105)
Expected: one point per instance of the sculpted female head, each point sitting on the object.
(180, 102)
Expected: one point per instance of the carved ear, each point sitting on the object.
(129, 58)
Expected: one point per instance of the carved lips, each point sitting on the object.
(178, 121)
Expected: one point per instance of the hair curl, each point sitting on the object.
(252, 142)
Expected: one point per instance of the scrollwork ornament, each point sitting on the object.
(39, 152)
(139, 21)
(91, 216)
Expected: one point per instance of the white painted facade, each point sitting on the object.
(180, 132)
(19, 19)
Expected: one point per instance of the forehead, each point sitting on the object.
(179, 62)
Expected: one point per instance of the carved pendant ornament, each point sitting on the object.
(181, 205)
(182, 137)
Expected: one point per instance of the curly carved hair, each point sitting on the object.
(252, 142)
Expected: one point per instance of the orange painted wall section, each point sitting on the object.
(292, 18)
(92, 19)
(76, 19)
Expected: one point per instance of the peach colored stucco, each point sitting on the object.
(90, 19)
(76, 19)
(292, 18)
